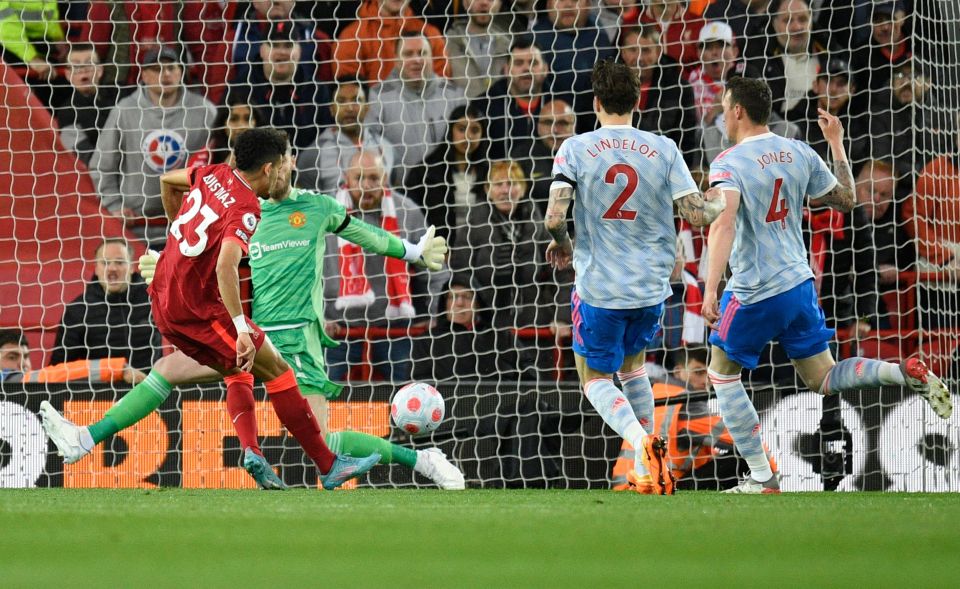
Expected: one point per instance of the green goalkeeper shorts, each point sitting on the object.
(302, 348)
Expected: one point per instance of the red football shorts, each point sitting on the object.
(212, 343)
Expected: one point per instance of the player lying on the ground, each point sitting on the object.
(195, 298)
(771, 295)
(627, 183)
(288, 294)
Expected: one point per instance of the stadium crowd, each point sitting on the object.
(456, 109)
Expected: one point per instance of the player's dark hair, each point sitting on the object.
(12, 336)
(753, 95)
(260, 146)
(616, 86)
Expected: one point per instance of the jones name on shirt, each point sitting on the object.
(773, 157)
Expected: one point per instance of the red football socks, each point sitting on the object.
(295, 415)
(242, 409)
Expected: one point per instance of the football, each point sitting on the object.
(417, 408)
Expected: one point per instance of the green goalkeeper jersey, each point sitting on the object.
(286, 256)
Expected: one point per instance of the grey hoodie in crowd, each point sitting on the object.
(141, 141)
(414, 122)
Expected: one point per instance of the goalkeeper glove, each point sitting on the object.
(148, 265)
(429, 252)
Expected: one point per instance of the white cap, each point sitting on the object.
(716, 30)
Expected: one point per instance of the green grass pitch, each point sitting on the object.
(370, 538)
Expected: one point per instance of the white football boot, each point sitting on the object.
(64, 434)
(750, 486)
(921, 380)
(433, 464)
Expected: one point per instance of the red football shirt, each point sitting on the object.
(219, 206)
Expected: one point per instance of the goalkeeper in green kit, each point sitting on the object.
(286, 257)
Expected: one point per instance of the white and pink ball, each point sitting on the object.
(417, 408)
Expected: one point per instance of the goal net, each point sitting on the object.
(418, 113)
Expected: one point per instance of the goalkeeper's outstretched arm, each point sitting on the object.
(429, 252)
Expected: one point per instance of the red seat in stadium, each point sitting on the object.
(50, 219)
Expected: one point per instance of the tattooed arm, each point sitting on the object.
(841, 197)
(560, 250)
(701, 209)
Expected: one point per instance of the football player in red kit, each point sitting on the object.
(196, 291)
(196, 305)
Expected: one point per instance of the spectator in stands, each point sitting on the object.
(234, 117)
(556, 124)
(690, 368)
(290, 99)
(254, 28)
(14, 353)
(30, 34)
(666, 103)
(111, 319)
(450, 181)
(15, 365)
(889, 48)
(322, 165)
(507, 241)
(411, 107)
(367, 47)
(571, 43)
(932, 220)
(875, 247)
(679, 29)
(902, 121)
(513, 103)
(748, 19)
(461, 345)
(478, 47)
(718, 58)
(80, 104)
(932, 213)
(832, 91)
(148, 133)
(123, 31)
(364, 290)
(792, 56)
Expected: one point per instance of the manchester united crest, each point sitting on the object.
(298, 220)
